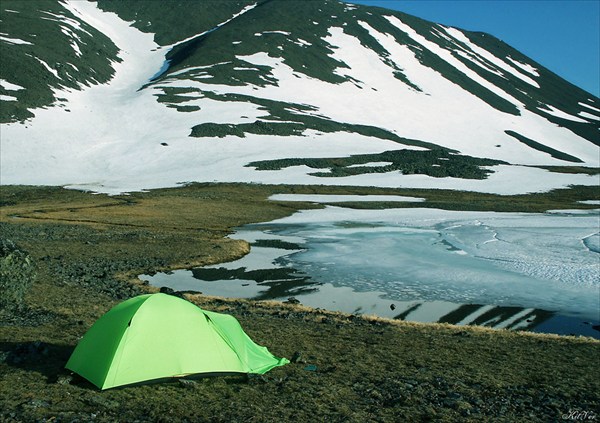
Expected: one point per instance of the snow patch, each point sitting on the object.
(9, 86)
(527, 68)
(451, 60)
(3, 37)
(64, 20)
(8, 98)
(589, 106)
(277, 32)
(111, 140)
(559, 113)
(588, 116)
(479, 63)
(372, 164)
(47, 66)
(302, 42)
(459, 36)
(332, 198)
(261, 59)
(260, 34)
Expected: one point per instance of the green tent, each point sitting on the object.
(158, 336)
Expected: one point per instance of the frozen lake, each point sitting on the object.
(538, 272)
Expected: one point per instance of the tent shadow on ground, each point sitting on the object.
(36, 356)
(49, 360)
(186, 381)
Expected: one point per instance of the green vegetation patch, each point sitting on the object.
(218, 130)
(438, 163)
(544, 148)
(261, 29)
(572, 169)
(172, 21)
(185, 108)
(286, 119)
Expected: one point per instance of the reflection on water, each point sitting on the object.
(281, 283)
(500, 272)
(274, 283)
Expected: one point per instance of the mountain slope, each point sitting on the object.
(44, 48)
(233, 88)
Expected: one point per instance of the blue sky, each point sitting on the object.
(562, 35)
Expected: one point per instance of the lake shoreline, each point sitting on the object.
(88, 250)
(324, 259)
(545, 322)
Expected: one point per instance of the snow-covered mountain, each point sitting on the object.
(118, 96)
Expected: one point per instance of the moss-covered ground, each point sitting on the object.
(88, 250)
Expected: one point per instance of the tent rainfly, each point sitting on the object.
(157, 336)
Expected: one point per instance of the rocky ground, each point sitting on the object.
(88, 249)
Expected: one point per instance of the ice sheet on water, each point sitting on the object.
(542, 261)
(592, 242)
(505, 270)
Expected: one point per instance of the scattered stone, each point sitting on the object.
(450, 403)
(326, 320)
(28, 351)
(164, 144)
(103, 402)
(296, 357)
(38, 403)
(64, 379)
(392, 306)
(328, 369)
(170, 291)
(187, 383)
(252, 378)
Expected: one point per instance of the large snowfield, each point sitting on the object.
(117, 138)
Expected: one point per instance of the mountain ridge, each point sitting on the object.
(293, 81)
